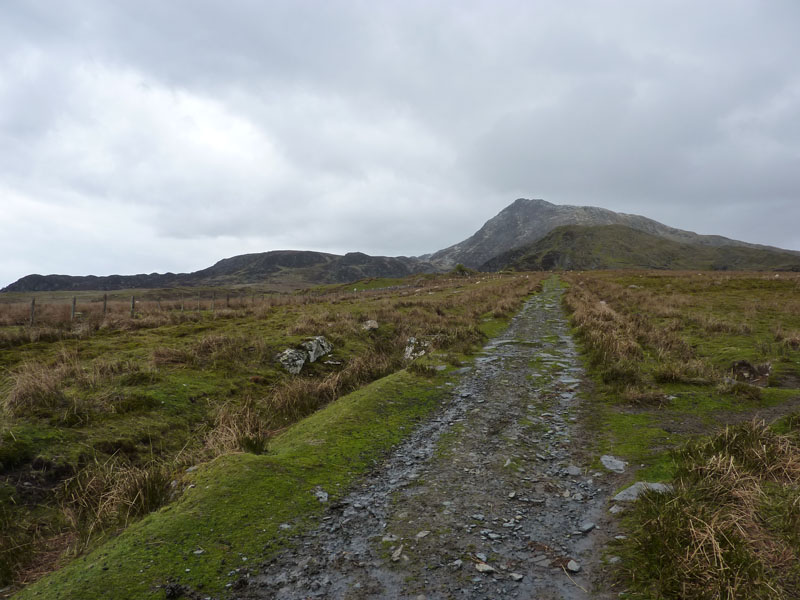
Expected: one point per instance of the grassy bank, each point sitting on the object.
(241, 506)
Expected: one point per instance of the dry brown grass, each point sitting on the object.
(109, 494)
(622, 326)
(731, 527)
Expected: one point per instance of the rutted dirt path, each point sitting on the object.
(489, 499)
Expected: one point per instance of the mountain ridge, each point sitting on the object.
(301, 268)
(513, 230)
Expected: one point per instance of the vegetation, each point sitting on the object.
(731, 527)
(678, 357)
(103, 415)
(621, 247)
(156, 425)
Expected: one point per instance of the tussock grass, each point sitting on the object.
(109, 494)
(730, 527)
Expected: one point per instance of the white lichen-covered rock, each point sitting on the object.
(317, 347)
(292, 360)
(415, 348)
(370, 325)
(632, 493)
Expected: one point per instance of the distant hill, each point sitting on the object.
(582, 247)
(576, 237)
(292, 268)
(526, 221)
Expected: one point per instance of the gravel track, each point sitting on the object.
(490, 498)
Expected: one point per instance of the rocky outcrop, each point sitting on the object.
(317, 347)
(293, 359)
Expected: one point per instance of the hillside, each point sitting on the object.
(290, 268)
(526, 221)
(620, 247)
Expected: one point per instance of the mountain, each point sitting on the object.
(287, 268)
(526, 221)
(582, 247)
(571, 237)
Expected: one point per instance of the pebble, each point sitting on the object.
(586, 527)
(482, 567)
(613, 464)
(397, 553)
(516, 576)
(573, 567)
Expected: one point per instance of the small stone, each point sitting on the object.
(512, 494)
(422, 534)
(321, 495)
(397, 553)
(456, 564)
(478, 517)
(616, 509)
(482, 567)
(614, 560)
(480, 556)
(586, 527)
(613, 464)
(573, 471)
(389, 538)
(633, 492)
(516, 576)
(573, 567)
(370, 325)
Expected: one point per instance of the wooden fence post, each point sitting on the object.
(33, 310)
(182, 300)
(133, 305)
(105, 304)
(72, 310)
(158, 302)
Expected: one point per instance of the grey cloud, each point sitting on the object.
(388, 127)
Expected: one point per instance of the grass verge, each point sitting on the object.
(731, 526)
(232, 509)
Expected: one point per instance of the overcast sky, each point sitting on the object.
(164, 135)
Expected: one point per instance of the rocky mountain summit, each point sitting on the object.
(526, 221)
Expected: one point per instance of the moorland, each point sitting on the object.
(132, 447)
